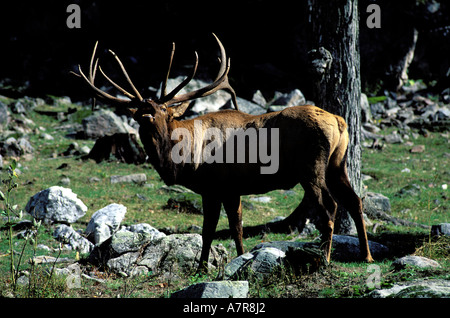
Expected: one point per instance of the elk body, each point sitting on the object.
(310, 145)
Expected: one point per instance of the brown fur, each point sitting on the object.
(312, 152)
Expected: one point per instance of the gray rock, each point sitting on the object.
(393, 139)
(392, 112)
(442, 114)
(259, 99)
(237, 267)
(266, 260)
(416, 261)
(346, 249)
(56, 204)
(18, 108)
(377, 202)
(441, 229)
(406, 116)
(125, 241)
(132, 178)
(12, 147)
(4, 115)
(422, 288)
(409, 190)
(293, 98)
(25, 145)
(102, 123)
(366, 114)
(145, 228)
(429, 111)
(220, 289)
(262, 199)
(377, 110)
(105, 222)
(67, 235)
(168, 256)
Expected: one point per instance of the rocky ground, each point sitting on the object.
(141, 249)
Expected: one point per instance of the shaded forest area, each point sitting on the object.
(268, 43)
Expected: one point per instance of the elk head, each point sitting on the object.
(168, 105)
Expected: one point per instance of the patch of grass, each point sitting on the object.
(429, 170)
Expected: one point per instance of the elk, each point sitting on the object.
(311, 147)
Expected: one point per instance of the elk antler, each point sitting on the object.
(221, 82)
(99, 92)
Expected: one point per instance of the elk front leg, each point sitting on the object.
(233, 208)
(211, 212)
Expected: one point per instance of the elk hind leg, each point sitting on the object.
(233, 208)
(342, 191)
(319, 196)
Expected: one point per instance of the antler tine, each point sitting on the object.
(93, 72)
(126, 75)
(164, 84)
(221, 82)
(115, 85)
(180, 86)
(99, 92)
(223, 57)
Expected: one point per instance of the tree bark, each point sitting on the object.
(335, 65)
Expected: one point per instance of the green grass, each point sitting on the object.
(430, 170)
(146, 204)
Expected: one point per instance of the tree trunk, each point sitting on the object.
(335, 65)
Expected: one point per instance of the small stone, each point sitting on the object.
(417, 261)
(263, 199)
(132, 178)
(418, 149)
(393, 139)
(409, 190)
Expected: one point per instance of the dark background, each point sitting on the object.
(267, 41)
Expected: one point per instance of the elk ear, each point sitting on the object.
(177, 111)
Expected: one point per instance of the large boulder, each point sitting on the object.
(13, 147)
(56, 204)
(133, 253)
(220, 289)
(104, 123)
(421, 288)
(259, 262)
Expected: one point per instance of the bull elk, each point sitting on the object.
(309, 144)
